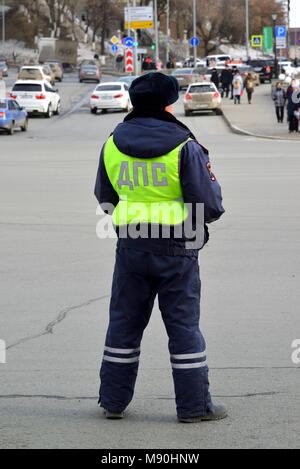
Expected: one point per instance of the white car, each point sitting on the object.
(36, 97)
(110, 95)
(218, 59)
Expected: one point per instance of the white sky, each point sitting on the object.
(295, 14)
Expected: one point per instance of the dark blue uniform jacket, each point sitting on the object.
(148, 137)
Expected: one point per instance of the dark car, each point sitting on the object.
(264, 68)
(89, 72)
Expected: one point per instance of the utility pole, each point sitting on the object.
(3, 26)
(135, 47)
(288, 30)
(194, 31)
(247, 28)
(156, 33)
(168, 31)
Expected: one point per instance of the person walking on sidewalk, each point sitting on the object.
(215, 78)
(141, 184)
(249, 85)
(279, 98)
(226, 80)
(233, 73)
(293, 109)
(237, 84)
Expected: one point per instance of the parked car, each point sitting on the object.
(217, 59)
(89, 72)
(111, 95)
(186, 76)
(202, 97)
(263, 68)
(36, 72)
(12, 115)
(57, 69)
(37, 97)
(3, 69)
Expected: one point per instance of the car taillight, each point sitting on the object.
(188, 96)
(204, 77)
(118, 96)
(2, 114)
(94, 96)
(40, 96)
(216, 95)
(98, 73)
(13, 96)
(191, 76)
(268, 69)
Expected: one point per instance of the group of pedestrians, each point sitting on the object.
(292, 97)
(232, 82)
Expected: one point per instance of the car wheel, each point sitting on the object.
(57, 112)
(11, 130)
(104, 111)
(187, 113)
(93, 110)
(25, 126)
(49, 113)
(262, 80)
(218, 112)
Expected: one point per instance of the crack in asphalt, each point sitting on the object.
(93, 398)
(60, 317)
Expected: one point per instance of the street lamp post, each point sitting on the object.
(274, 18)
(247, 28)
(3, 26)
(194, 30)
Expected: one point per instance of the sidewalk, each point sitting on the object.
(259, 118)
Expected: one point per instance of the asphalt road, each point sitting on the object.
(55, 280)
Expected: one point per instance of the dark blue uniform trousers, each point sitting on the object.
(138, 278)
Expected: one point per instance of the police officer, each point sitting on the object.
(154, 160)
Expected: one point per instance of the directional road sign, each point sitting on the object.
(194, 41)
(129, 41)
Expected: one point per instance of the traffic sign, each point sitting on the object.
(140, 25)
(299, 41)
(114, 48)
(194, 41)
(257, 41)
(280, 31)
(114, 40)
(129, 60)
(139, 17)
(129, 41)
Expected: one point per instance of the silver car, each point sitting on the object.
(89, 72)
(3, 69)
(186, 76)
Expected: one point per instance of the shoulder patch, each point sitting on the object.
(211, 175)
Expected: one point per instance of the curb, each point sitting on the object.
(237, 130)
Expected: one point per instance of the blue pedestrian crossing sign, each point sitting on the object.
(194, 41)
(257, 41)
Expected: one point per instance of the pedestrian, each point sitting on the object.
(169, 64)
(119, 62)
(139, 164)
(290, 88)
(279, 98)
(226, 80)
(293, 109)
(237, 85)
(233, 73)
(215, 77)
(249, 85)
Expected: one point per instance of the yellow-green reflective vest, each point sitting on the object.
(149, 189)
